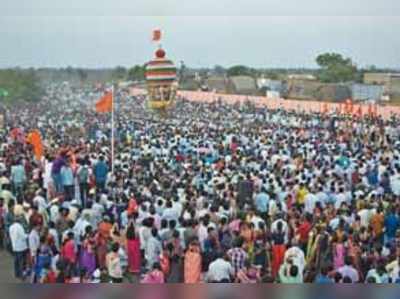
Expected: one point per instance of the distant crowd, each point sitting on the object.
(201, 193)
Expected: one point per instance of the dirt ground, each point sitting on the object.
(6, 268)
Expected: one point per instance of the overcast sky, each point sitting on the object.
(269, 33)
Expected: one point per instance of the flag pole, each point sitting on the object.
(112, 130)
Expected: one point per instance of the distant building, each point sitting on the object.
(390, 81)
(269, 85)
(302, 77)
(244, 85)
(314, 90)
(217, 84)
(190, 82)
(367, 92)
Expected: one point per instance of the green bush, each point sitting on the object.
(19, 85)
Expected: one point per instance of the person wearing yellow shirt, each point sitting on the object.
(301, 194)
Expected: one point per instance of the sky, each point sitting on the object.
(258, 33)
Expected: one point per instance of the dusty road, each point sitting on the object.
(6, 268)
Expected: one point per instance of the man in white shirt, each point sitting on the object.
(395, 184)
(80, 227)
(170, 213)
(40, 201)
(19, 245)
(34, 241)
(309, 203)
(220, 270)
(296, 256)
(340, 199)
(349, 271)
(365, 215)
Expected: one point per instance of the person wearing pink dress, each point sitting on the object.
(155, 276)
(338, 255)
(192, 264)
(133, 250)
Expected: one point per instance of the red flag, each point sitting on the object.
(35, 140)
(156, 35)
(105, 103)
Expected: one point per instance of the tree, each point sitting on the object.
(20, 85)
(136, 73)
(272, 75)
(182, 72)
(219, 70)
(83, 75)
(240, 70)
(119, 73)
(334, 68)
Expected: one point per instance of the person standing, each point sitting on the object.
(67, 178)
(348, 270)
(113, 264)
(278, 249)
(83, 180)
(87, 259)
(56, 166)
(2, 223)
(68, 251)
(290, 274)
(18, 178)
(192, 263)
(19, 246)
(100, 174)
(153, 249)
(34, 243)
(238, 255)
(155, 276)
(391, 224)
(220, 270)
(133, 249)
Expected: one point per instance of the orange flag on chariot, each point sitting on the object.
(35, 140)
(156, 35)
(105, 103)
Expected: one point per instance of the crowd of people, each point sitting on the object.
(202, 193)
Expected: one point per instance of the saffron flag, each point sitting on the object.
(105, 103)
(156, 35)
(35, 140)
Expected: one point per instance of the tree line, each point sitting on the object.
(25, 84)
(20, 85)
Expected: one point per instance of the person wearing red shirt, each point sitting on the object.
(303, 231)
(68, 251)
